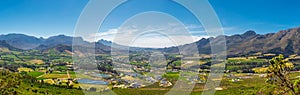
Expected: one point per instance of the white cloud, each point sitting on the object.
(153, 40)
(155, 37)
(154, 29)
(110, 32)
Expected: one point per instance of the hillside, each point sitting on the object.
(5, 45)
(283, 42)
(59, 43)
(21, 41)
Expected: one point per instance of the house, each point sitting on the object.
(150, 79)
(263, 75)
(116, 80)
(132, 74)
(194, 79)
(120, 86)
(136, 85)
(235, 80)
(231, 76)
(157, 77)
(218, 88)
(165, 83)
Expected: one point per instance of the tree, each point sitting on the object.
(9, 82)
(279, 77)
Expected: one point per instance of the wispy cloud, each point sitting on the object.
(152, 36)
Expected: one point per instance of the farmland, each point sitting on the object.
(243, 75)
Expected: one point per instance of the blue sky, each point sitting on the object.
(52, 17)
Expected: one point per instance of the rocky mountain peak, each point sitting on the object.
(249, 33)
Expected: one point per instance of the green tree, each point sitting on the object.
(279, 77)
(9, 82)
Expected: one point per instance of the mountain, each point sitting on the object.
(118, 46)
(111, 44)
(105, 42)
(21, 41)
(283, 42)
(26, 42)
(102, 48)
(64, 40)
(62, 43)
(4, 44)
(59, 42)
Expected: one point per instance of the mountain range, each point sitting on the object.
(283, 42)
(59, 42)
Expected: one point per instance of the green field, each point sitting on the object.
(243, 87)
(35, 73)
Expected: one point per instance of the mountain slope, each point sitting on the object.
(64, 40)
(21, 41)
(59, 43)
(4, 44)
(283, 42)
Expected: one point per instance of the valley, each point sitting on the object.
(48, 66)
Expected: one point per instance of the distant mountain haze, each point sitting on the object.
(4, 44)
(26, 42)
(282, 42)
(22, 41)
